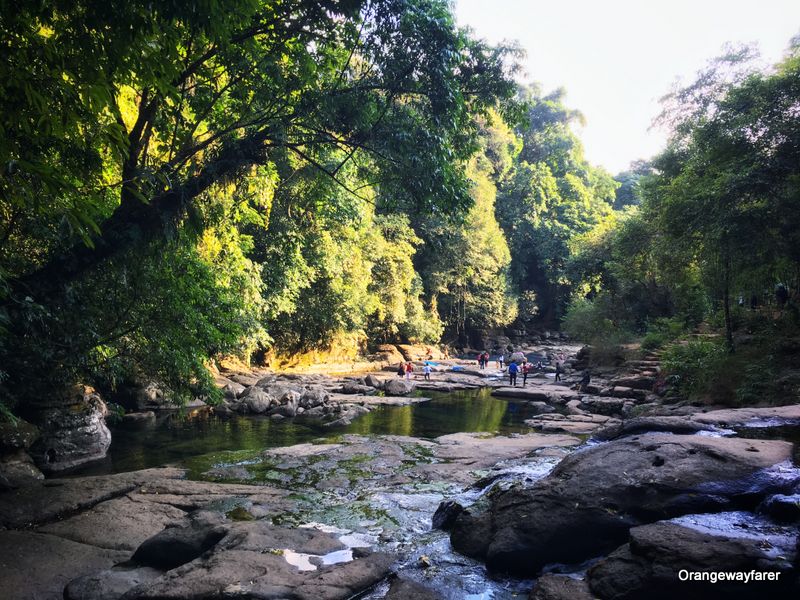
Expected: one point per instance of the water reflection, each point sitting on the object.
(174, 438)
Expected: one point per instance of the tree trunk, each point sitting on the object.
(726, 303)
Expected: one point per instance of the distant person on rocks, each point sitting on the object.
(559, 370)
(409, 369)
(587, 377)
(512, 373)
(526, 368)
(500, 360)
(426, 372)
(401, 370)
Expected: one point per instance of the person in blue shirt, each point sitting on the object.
(513, 369)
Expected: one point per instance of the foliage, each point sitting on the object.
(688, 366)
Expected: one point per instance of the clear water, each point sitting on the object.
(178, 437)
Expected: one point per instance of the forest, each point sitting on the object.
(185, 181)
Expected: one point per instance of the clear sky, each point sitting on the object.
(616, 58)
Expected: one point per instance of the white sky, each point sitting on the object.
(616, 58)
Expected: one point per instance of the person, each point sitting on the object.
(500, 360)
(426, 372)
(513, 369)
(587, 377)
(526, 368)
(401, 370)
(539, 365)
(409, 370)
(559, 370)
(781, 295)
(512, 373)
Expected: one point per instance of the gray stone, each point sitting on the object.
(258, 401)
(560, 587)
(72, 433)
(648, 566)
(109, 584)
(592, 498)
(398, 387)
(17, 469)
(18, 435)
(38, 566)
(405, 589)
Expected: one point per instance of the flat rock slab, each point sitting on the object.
(575, 424)
(480, 451)
(542, 393)
(55, 498)
(742, 417)
(37, 566)
(118, 524)
(249, 560)
(378, 400)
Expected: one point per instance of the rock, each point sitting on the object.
(648, 566)
(639, 425)
(602, 406)
(373, 381)
(446, 514)
(782, 507)
(18, 435)
(390, 354)
(258, 560)
(351, 387)
(72, 433)
(742, 417)
(398, 387)
(175, 546)
(638, 382)
(138, 417)
(313, 396)
(233, 390)
(37, 565)
(258, 401)
(405, 589)
(560, 587)
(593, 497)
(112, 583)
(625, 392)
(17, 469)
(149, 394)
(245, 379)
(118, 524)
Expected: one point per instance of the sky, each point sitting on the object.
(616, 58)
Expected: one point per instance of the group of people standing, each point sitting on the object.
(407, 370)
(524, 367)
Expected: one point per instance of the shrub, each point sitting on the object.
(691, 365)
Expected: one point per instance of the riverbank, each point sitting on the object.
(334, 512)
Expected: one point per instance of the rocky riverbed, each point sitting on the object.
(408, 489)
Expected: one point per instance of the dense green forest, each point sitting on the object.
(184, 180)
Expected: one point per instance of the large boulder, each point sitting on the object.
(398, 387)
(314, 396)
(258, 401)
(560, 587)
(658, 556)
(586, 506)
(73, 431)
(17, 469)
(639, 425)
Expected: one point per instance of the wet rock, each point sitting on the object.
(577, 424)
(73, 431)
(640, 425)
(782, 507)
(593, 497)
(647, 567)
(405, 589)
(398, 387)
(446, 514)
(560, 587)
(232, 390)
(742, 417)
(112, 583)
